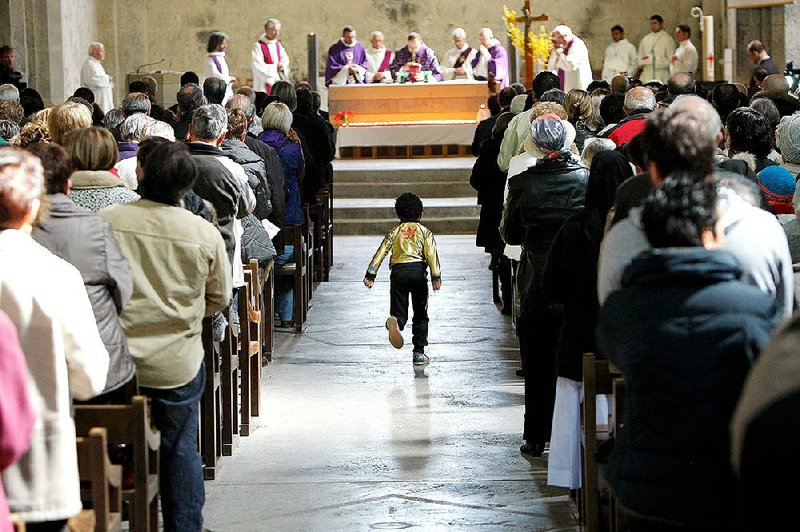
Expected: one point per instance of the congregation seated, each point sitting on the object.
(163, 321)
(45, 298)
(93, 153)
(84, 239)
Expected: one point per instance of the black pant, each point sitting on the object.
(411, 279)
(538, 340)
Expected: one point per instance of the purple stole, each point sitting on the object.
(385, 63)
(562, 75)
(268, 57)
(217, 63)
(462, 58)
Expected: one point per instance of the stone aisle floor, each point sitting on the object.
(352, 440)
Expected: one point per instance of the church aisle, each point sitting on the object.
(352, 440)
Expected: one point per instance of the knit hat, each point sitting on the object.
(787, 138)
(777, 186)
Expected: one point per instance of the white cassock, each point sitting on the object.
(575, 64)
(655, 56)
(448, 63)
(265, 65)
(687, 58)
(219, 69)
(375, 58)
(94, 76)
(621, 56)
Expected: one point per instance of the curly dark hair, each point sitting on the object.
(678, 212)
(408, 207)
(749, 131)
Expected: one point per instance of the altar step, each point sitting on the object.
(364, 193)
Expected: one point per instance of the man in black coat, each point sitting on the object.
(311, 126)
(762, 61)
(190, 97)
(684, 331)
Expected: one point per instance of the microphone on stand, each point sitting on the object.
(149, 64)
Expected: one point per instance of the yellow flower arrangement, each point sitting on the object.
(539, 45)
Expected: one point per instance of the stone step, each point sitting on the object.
(361, 209)
(380, 226)
(403, 170)
(373, 189)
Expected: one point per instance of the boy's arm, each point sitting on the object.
(383, 250)
(432, 256)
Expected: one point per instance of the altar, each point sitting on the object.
(406, 120)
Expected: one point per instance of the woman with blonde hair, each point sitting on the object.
(67, 117)
(580, 109)
(93, 152)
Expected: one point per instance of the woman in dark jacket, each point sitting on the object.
(539, 200)
(277, 133)
(684, 331)
(570, 279)
(86, 241)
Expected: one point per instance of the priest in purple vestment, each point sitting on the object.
(347, 60)
(416, 52)
(492, 59)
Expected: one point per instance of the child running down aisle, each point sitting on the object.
(413, 250)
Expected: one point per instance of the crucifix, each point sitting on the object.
(527, 19)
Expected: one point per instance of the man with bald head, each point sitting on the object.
(457, 61)
(379, 59)
(492, 59)
(569, 60)
(94, 76)
(639, 103)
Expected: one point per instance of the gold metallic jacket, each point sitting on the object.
(409, 242)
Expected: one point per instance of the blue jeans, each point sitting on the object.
(175, 414)
(284, 286)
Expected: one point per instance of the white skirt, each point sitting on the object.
(564, 460)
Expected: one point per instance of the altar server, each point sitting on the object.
(270, 60)
(457, 61)
(491, 59)
(347, 60)
(569, 60)
(379, 59)
(621, 56)
(94, 76)
(655, 52)
(686, 58)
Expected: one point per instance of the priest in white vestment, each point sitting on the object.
(457, 61)
(569, 60)
(655, 52)
(270, 60)
(378, 60)
(621, 56)
(686, 58)
(215, 65)
(94, 76)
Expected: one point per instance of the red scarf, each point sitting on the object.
(267, 55)
(462, 58)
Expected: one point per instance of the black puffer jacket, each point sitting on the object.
(539, 200)
(684, 331)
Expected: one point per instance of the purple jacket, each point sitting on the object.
(291, 156)
(127, 149)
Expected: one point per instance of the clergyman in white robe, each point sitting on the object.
(94, 76)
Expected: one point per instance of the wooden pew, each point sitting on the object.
(297, 270)
(268, 312)
(229, 388)
(309, 246)
(250, 348)
(101, 482)
(211, 406)
(130, 424)
(597, 379)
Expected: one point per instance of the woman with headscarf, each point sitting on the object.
(570, 279)
(539, 200)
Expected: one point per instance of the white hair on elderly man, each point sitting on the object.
(132, 129)
(209, 122)
(8, 92)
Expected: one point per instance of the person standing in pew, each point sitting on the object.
(181, 274)
(45, 298)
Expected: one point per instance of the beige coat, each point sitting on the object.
(181, 274)
(45, 298)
